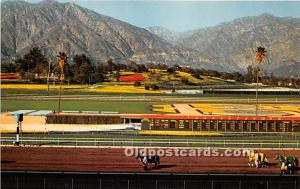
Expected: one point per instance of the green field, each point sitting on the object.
(77, 105)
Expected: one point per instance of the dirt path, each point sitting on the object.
(186, 109)
(114, 160)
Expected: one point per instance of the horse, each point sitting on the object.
(257, 159)
(145, 160)
(287, 164)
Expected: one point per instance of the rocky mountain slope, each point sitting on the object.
(171, 36)
(233, 44)
(68, 27)
(230, 46)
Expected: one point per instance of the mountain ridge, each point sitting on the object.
(229, 46)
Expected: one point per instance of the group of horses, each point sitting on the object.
(288, 165)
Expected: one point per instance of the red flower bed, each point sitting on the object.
(10, 77)
(133, 78)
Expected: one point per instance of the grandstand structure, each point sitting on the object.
(218, 123)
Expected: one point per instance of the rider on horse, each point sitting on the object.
(145, 160)
(287, 164)
(257, 159)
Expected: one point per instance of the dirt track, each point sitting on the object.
(114, 160)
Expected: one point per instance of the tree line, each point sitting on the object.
(34, 66)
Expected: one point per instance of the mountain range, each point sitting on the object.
(229, 46)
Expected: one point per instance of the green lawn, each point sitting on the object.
(77, 105)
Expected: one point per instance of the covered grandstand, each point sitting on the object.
(184, 122)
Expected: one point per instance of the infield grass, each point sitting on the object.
(77, 105)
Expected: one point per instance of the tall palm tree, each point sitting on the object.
(259, 56)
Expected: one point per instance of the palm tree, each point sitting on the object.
(260, 56)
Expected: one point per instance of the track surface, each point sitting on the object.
(114, 160)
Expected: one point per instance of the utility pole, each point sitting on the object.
(62, 58)
(256, 93)
(48, 75)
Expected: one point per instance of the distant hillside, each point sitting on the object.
(171, 36)
(68, 27)
(232, 44)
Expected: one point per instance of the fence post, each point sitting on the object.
(156, 183)
(100, 183)
(128, 182)
(72, 184)
(17, 182)
(184, 184)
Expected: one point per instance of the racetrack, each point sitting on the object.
(114, 160)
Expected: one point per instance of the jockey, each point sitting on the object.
(257, 160)
(263, 157)
(284, 165)
(251, 158)
(144, 161)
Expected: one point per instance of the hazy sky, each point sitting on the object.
(186, 15)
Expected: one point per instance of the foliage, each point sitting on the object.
(34, 62)
(81, 69)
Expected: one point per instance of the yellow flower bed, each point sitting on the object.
(157, 70)
(162, 106)
(203, 105)
(212, 111)
(165, 110)
(179, 133)
(289, 108)
(127, 73)
(39, 86)
(23, 131)
(123, 89)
